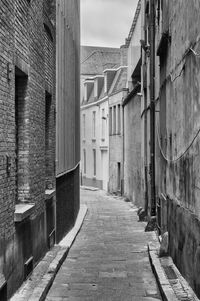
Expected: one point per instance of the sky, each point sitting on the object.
(106, 22)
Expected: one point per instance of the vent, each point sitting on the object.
(51, 239)
(28, 267)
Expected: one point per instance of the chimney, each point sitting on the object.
(124, 59)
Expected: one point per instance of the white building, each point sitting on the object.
(94, 134)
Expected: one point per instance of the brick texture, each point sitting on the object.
(27, 76)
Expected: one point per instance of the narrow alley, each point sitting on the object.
(109, 258)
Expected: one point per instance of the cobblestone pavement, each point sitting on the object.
(109, 259)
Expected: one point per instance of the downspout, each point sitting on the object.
(152, 106)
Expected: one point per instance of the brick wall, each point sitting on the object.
(27, 74)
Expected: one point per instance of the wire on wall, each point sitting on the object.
(181, 155)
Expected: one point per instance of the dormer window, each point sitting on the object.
(105, 83)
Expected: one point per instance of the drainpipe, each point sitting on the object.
(152, 106)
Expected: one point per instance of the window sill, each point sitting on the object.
(22, 211)
(49, 193)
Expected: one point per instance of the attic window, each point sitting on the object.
(48, 31)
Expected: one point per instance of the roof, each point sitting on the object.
(137, 12)
(94, 60)
(120, 80)
(118, 84)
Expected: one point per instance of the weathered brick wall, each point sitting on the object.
(7, 124)
(24, 45)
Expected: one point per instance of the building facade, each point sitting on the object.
(94, 108)
(27, 131)
(116, 89)
(94, 140)
(170, 88)
(39, 123)
(67, 115)
(132, 115)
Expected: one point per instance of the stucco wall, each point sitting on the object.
(178, 124)
(116, 149)
(99, 143)
(132, 149)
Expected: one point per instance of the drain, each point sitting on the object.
(170, 272)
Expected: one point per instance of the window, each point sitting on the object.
(114, 120)
(84, 161)
(110, 121)
(94, 162)
(118, 175)
(119, 119)
(83, 126)
(93, 124)
(103, 120)
(47, 135)
(21, 147)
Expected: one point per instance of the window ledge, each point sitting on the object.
(103, 147)
(49, 193)
(22, 211)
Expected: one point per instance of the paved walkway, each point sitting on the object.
(109, 259)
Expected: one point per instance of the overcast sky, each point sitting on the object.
(106, 22)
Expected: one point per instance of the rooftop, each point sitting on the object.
(94, 59)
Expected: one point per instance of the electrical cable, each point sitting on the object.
(194, 138)
(180, 156)
(194, 52)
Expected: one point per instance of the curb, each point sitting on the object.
(40, 292)
(172, 285)
(52, 266)
(166, 290)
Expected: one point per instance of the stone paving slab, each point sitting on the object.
(109, 259)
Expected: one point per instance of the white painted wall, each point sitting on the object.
(99, 143)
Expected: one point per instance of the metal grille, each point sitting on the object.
(170, 272)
